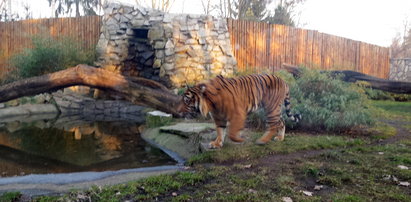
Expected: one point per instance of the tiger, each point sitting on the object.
(230, 100)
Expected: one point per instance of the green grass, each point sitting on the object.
(290, 144)
(157, 121)
(147, 189)
(10, 196)
(392, 110)
(382, 131)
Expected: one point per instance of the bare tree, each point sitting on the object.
(27, 11)
(6, 13)
(163, 5)
(207, 6)
(401, 43)
(89, 7)
(224, 8)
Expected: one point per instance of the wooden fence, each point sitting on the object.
(15, 36)
(258, 46)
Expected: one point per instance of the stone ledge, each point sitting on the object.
(28, 109)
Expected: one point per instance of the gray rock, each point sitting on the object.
(156, 33)
(169, 59)
(28, 109)
(159, 45)
(157, 63)
(167, 18)
(159, 54)
(168, 66)
(147, 54)
(169, 44)
(191, 42)
(169, 51)
(137, 22)
(187, 129)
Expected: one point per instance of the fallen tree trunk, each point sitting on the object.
(352, 76)
(139, 91)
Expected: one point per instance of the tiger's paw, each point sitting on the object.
(279, 138)
(215, 145)
(204, 147)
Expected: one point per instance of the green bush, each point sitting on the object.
(377, 94)
(49, 55)
(326, 103)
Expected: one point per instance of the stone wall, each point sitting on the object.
(174, 49)
(400, 69)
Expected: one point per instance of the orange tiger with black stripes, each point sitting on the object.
(229, 100)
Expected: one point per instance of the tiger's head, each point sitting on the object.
(193, 102)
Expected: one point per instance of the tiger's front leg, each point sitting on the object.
(220, 124)
(218, 142)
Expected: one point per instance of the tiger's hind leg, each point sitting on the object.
(281, 132)
(278, 129)
(275, 126)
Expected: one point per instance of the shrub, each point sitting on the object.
(375, 94)
(327, 103)
(49, 55)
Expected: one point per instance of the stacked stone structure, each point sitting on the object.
(400, 69)
(170, 48)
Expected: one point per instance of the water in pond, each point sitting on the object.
(71, 145)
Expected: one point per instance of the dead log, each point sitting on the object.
(139, 91)
(353, 76)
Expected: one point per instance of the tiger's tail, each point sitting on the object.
(294, 117)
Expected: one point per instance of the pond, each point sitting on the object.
(39, 145)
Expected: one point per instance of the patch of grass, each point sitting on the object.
(347, 198)
(393, 110)
(146, 189)
(382, 131)
(10, 196)
(183, 197)
(290, 144)
(157, 121)
(202, 157)
(359, 172)
(48, 199)
(311, 169)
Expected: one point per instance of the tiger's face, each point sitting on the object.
(189, 104)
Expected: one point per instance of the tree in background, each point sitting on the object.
(401, 43)
(257, 10)
(163, 5)
(242, 9)
(251, 9)
(283, 13)
(27, 11)
(207, 6)
(6, 13)
(89, 7)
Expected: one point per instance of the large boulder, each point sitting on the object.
(182, 139)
